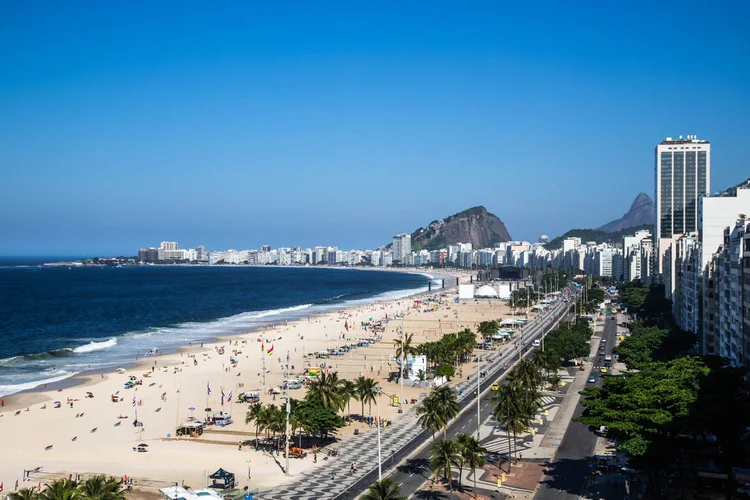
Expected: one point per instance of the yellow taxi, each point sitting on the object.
(495, 387)
(603, 369)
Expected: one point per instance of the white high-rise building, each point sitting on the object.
(682, 174)
(401, 248)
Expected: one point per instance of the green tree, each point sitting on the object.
(255, 414)
(24, 494)
(447, 398)
(316, 419)
(488, 328)
(61, 489)
(366, 392)
(472, 455)
(326, 389)
(431, 414)
(102, 488)
(444, 455)
(349, 392)
(445, 370)
(387, 489)
(405, 347)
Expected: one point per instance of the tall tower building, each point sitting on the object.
(401, 248)
(683, 174)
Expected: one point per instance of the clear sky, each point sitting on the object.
(123, 124)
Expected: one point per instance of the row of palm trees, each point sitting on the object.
(94, 488)
(518, 401)
(328, 390)
(445, 456)
(336, 394)
(449, 349)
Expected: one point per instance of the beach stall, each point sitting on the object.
(220, 418)
(248, 397)
(194, 429)
(180, 493)
(222, 480)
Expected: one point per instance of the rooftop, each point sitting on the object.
(688, 139)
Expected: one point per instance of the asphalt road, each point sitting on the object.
(566, 477)
(415, 471)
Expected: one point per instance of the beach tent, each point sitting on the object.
(222, 479)
(485, 291)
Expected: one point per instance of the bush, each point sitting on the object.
(445, 371)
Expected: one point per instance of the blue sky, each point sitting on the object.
(124, 124)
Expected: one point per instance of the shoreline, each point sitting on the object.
(83, 434)
(84, 377)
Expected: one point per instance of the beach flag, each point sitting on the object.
(222, 396)
(270, 351)
(208, 389)
(229, 396)
(1, 486)
(133, 400)
(262, 347)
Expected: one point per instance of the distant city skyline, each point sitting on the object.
(346, 124)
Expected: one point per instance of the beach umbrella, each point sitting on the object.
(207, 409)
(143, 445)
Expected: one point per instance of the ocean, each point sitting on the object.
(57, 320)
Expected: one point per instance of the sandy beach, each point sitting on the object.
(86, 435)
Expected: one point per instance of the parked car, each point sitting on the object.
(592, 379)
(495, 387)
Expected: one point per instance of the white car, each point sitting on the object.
(608, 357)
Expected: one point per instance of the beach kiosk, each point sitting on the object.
(220, 418)
(222, 480)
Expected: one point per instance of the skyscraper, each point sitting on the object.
(683, 173)
(401, 248)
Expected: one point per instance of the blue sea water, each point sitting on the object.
(56, 320)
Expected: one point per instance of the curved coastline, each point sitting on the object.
(222, 325)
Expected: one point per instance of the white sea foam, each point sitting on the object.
(95, 346)
(115, 351)
(6, 390)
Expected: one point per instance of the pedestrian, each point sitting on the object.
(240, 445)
(333, 476)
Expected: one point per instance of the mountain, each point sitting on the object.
(597, 235)
(475, 225)
(641, 212)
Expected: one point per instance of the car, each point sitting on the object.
(603, 369)
(495, 387)
(604, 341)
(592, 379)
(608, 357)
(537, 343)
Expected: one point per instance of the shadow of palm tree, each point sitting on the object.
(419, 466)
(429, 494)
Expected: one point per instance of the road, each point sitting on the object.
(415, 471)
(566, 478)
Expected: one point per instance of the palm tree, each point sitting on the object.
(24, 494)
(366, 392)
(447, 398)
(61, 489)
(326, 389)
(507, 412)
(444, 455)
(404, 347)
(526, 374)
(472, 454)
(488, 329)
(387, 489)
(102, 488)
(348, 392)
(255, 414)
(431, 415)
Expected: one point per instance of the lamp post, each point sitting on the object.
(379, 389)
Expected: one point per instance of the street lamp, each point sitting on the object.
(378, 389)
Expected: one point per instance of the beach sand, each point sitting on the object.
(89, 437)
